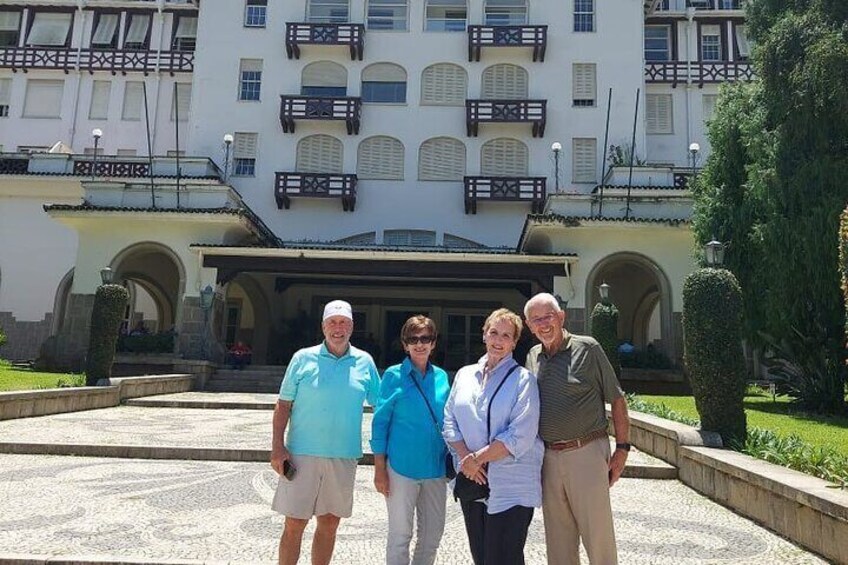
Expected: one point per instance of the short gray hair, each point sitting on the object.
(542, 299)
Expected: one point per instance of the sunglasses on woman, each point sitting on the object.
(422, 339)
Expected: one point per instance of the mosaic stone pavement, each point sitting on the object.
(219, 511)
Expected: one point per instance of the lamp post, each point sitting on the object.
(96, 133)
(714, 253)
(228, 142)
(106, 275)
(694, 149)
(206, 297)
(556, 147)
(604, 291)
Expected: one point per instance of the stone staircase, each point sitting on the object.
(253, 378)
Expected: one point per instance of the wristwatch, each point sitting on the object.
(623, 446)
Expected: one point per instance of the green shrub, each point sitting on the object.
(161, 342)
(712, 323)
(110, 301)
(2, 337)
(605, 330)
(648, 358)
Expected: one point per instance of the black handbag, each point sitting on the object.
(450, 472)
(464, 489)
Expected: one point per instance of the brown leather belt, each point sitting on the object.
(576, 443)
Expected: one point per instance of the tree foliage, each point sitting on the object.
(774, 185)
(605, 330)
(110, 301)
(712, 323)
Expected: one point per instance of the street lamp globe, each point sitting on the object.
(714, 253)
(604, 291)
(106, 275)
(556, 147)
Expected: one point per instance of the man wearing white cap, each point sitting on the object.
(320, 402)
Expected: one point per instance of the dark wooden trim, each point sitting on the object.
(388, 269)
(310, 33)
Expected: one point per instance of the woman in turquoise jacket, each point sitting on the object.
(409, 452)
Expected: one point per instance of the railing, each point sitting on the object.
(675, 72)
(507, 36)
(315, 185)
(111, 168)
(506, 111)
(505, 189)
(303, 33)
(114, 60)
(14, 166)
(716, 5)
(340, 108)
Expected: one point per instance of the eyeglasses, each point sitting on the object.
(422, 339)
(546, 319)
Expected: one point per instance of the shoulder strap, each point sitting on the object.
(427, 402)
(492, 399)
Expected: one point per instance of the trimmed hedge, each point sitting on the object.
(2, 338)
(605, 330)
(843, 261)
(712, 329)
(110, 301)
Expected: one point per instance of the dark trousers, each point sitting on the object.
(496, 539)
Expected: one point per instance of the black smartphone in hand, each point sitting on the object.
(288, 469)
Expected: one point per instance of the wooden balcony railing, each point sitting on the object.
(505, 189)
(507, 36)
(114, 60)
(303, 33)
(315, 185)
(506, 111)
(338, 108)
(676, 72)
(109, 168)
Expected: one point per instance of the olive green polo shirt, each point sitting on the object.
(574, 383)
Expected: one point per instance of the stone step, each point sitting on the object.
(215, 400)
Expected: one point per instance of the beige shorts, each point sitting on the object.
(321, 485)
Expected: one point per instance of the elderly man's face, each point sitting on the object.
(337, 331)
(546, 323)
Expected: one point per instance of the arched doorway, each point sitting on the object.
(246, 317)
(642, 293)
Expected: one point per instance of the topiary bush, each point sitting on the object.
(605, 330)
(712, 328)
(843, 261)
(2, 337)
(110, 301)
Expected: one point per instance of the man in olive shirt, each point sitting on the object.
(575, 380)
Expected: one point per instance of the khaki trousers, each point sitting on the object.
(576, 504)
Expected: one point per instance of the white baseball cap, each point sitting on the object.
(338, 308)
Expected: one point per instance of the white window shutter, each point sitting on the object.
(444, 84)
(49, 29)
(320, 154)
(659, 114)
(504, 158)
(183, 97)
(584, 85)
(441, 159)
(709, 105)
(383, 72)
(101, 91)
(585, 159)
(133, 101)
(106, 26)
(324, 73)
(43, 98)
(244, 145)
(380, 158)
(505, 82)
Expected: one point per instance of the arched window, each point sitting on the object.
(442, 159)
(320, 154)
(444, 84)
(504, 157)
(505, 12)
(384, 82)
(323, 78)
(505, 82)
(367, 238)
(414, 238)
(387, 15)
(328, 11)
(380, 158)
(445, 15)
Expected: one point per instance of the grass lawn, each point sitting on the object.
(779, 417)
(25, 379)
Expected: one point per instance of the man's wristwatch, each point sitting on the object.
(623, 446)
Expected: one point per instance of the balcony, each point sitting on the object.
(676, 72)
(113, 60)
(507, 36)
(339, 108)
(302, 33)
(711, 5)
(506, 111)
(505, 189)
(315, 185)
(104, 168)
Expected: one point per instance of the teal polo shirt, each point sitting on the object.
(327, 393)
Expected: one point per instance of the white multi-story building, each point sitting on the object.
(436, 156)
